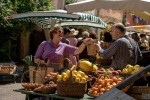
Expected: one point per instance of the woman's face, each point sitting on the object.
(58, 35)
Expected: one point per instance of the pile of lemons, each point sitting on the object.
(129, 69)
(74, 76)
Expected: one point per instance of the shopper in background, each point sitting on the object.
(107, 40)
(136, 37)
(83, 54)
(93, 48)
(66, 32)
(144, 44)
(73, 41)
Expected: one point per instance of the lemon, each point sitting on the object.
(78, 76)
(81, 73)
(65, 78)
(95, 68)
(59, 77)
(77, 80)
(67, 71)
(63, 74)
(86, 77)
(83, 80)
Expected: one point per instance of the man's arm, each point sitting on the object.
(108, 53)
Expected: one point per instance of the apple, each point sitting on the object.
(119, 71)
(100, 72)
(111, 69)
(102, 69)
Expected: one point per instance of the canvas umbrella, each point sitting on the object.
(141, 5)
(44, 18)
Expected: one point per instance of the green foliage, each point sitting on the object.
(28, 60)
(70, 1)
(10, 30)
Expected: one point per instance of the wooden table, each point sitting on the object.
(30, 95)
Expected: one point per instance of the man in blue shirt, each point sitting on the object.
(124, 50)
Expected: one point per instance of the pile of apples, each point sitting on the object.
(51, 76)
(30, 86)
(103, 84)
(110, 70)
(73, 76)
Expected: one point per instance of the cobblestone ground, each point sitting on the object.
(7, 93)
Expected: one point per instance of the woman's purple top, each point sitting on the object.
(55, 54)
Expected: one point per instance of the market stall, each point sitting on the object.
(87, 81)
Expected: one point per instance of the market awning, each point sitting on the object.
(44, 18)
(79, 23)
(140, 28)
(141, 5)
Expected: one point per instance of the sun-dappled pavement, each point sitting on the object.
(7, 93)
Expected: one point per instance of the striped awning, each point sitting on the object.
(44, 18)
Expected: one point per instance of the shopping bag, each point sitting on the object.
(42, 72)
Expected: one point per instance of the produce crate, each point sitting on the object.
(139, 92)
(7, 69)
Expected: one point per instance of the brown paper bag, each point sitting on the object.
(38, 75)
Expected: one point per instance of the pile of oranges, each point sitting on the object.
(103, 84)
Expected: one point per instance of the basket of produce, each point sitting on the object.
(49, 88)
(72, 84)
(30, 86)
(7, 69)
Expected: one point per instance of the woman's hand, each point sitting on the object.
(39, 61)
(88, 41)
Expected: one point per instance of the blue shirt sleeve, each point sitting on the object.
(108, 53)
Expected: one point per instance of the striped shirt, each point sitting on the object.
(124, 51)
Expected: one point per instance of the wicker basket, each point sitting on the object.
(70, 89)
(46, 89)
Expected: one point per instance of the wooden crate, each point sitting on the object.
(140, 92)
(7, 69)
